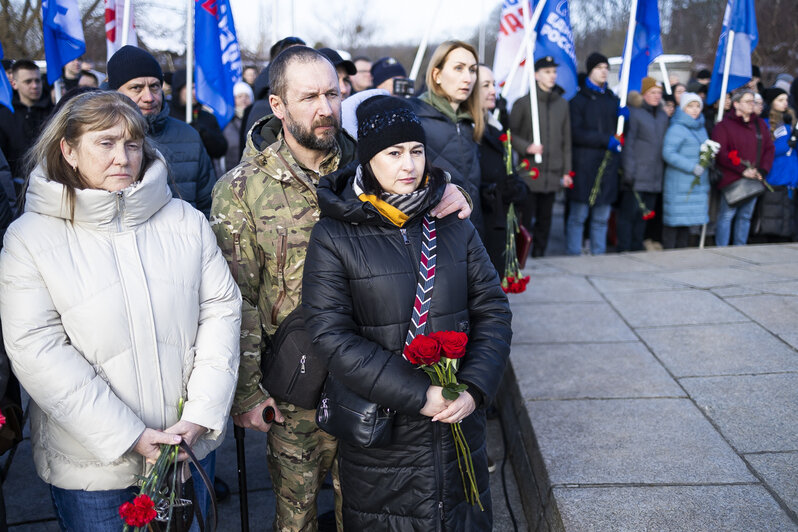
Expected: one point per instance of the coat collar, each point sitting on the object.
(127, 208)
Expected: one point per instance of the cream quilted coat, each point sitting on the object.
(109, 320)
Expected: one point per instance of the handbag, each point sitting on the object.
(352, 418)
(744, 188)
(290, 372)
(523, 243)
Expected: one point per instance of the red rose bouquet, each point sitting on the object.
(512, 282)
(156, 498)
(439, 354)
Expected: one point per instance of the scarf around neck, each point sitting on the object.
(397, 208)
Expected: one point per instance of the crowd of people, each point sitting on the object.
(154, 260)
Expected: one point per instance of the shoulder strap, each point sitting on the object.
(758, 143)
(426, 280)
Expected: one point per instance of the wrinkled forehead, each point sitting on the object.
(311, 77)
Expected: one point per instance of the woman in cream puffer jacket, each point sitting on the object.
(114, 310)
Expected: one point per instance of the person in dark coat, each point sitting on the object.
(643, 166)
(742, 135)
(358, 290)
(499, 190)
(136, 74)
(452, 117)
(204, 122)
(20, 129)
(594, 115)
(555, 135)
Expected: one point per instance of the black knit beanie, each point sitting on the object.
(594, 59)
(771, 94)
(130, 62)
(384, 121)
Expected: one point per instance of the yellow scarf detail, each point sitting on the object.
(397, 217)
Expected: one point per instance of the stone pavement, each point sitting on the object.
(29, 508)
(657, 391)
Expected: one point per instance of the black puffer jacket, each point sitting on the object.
(594, 115)
(451, 146)
(358, 290)
(192, 174)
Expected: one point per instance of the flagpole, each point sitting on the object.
(422, 48)
(626, 66)
(189, 62)
(665, 81)
(520, 53)
(530, 72)
(726, 66)
(482, 31)
(125, 22)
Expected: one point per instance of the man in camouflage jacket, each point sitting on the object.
(263, 212)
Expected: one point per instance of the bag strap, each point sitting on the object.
(758, 143)
(209, 524)
(426, 280)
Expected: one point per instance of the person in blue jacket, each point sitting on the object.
(683, 203)
(776, 209)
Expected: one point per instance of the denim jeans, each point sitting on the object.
(575, 226)
(201, 495)
(741, 215)
(98, 511)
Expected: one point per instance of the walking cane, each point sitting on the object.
(242, 477)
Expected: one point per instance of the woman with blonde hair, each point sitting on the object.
(116, 304)
(451, 114)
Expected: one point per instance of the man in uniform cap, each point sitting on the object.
(384, 71)
(555, 149)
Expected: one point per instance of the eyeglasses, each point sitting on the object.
(748, 102)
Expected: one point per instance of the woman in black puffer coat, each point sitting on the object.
(359, 287)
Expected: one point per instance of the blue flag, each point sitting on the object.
(556, 40)
(6, 94)
(740, 17)
(63, 35)
(646, 42)
(218, 57)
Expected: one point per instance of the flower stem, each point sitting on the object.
(594, 192)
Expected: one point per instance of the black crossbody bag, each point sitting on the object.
(744, 188)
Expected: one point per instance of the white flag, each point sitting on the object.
(114, 15)
(511, 38)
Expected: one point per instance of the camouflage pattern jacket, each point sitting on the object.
(262, 213)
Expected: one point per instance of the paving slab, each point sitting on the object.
(783, 288)
(761, 254)
(780, 472)
(715, 277)
(754, 412)
(787, 269)
(676, 307)
(649, 441)
(559, 289)
(736, 291)
(599, 264)
(671, 509)
(634, 282)
(579, 371)
(722, 349)
(569, 322)
(682, 259)
(778, 314)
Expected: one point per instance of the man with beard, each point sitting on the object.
(263, 212)
(137, 75)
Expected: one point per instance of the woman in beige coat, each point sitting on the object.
(115, 303)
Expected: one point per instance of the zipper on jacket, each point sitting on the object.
(120, 208)
(236, 254)
(458, 128)
(282, 252)
(437, 438)
(404, 236)
(302, 364)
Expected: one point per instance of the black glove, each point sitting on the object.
(513, 190)
(793, 140)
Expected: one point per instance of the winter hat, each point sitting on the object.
(387, 68)
(336, 59)
(384, 121)
(688, 97)
(130, 62)
(178, 80)
(648, 84)
(242, 87)
(595, 59)
(771, 94)
(783, 81)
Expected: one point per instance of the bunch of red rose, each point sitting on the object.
(439, 355)
(514, 285)
(138, 513)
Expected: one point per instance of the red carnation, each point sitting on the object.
(423, 351)
(525, 163)
(535, 173)
(503, 137)
(453, 344)
(648, 215)
(138, 513)
(734, 157)
(572, 174)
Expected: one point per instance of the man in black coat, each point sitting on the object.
(594, 115)
(136, 74)
(20, 129)
(204, 122)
